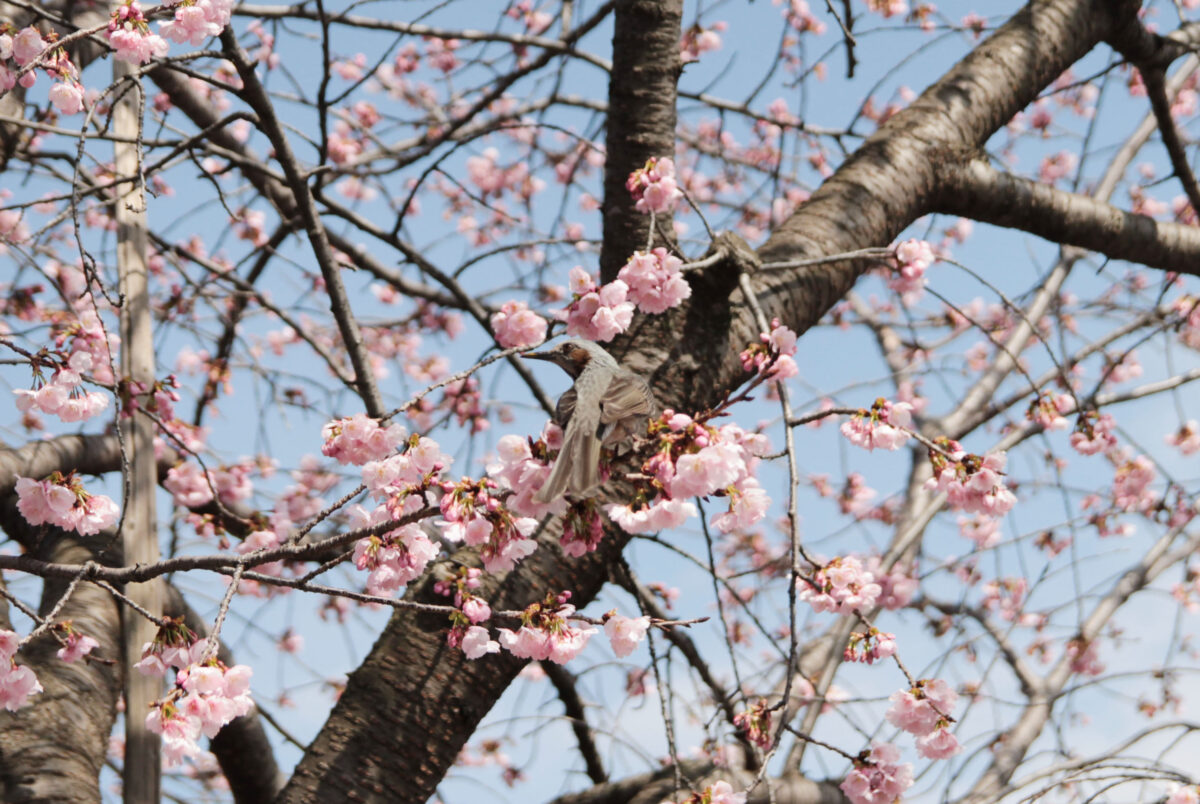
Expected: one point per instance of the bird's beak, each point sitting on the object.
(538, 356)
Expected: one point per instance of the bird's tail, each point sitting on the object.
(576, 472)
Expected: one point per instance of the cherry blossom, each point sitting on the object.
(67, 97)
(883, 427)
(17, 682)
(26, 46)
(755, 724)
(841, 586)
(61, 500)
(197, 21)
(878, 779)
(1184, 794)
(920, 710)
(598, 313)
(698, 40)
(773, 354)
(1186, 438)
(1093, 433)
(516, 325)
(77, 645)
(546, 632)
(913, 257)
(392, 559)
(472, 515)
(938, 744)
(359, 439)
(654, 281)
(625, 632)
(64, 396)
(972, 483)
(130, 35)
(653, 186)
(477, 643)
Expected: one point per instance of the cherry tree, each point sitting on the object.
(914, 290)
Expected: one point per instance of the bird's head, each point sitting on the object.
(573, 355)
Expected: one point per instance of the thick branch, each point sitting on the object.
(641, 118)
(977, 190)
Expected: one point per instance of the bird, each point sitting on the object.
(606, 405)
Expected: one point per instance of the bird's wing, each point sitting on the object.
(577, 469)
(564, 408)
(627, 396)
(624, 409)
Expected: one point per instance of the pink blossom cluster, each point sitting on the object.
(472, 514)
(655, 281)
(394, 558)
(1186, 438)
(129, 34)
(888, 8)
(800, 17)
(1184, 794)
(61, 500)
(76, 645)
(698, 40)
(1085, 657)
(197, 20)
(395, 476)
(973, 484)
(516, 325)
(583, 528)
(192, 488)
(360, 439)
(1131, 485)
(1057, 166)
(869, 646)
(1093, 433)
(67, 96)
(598, 313)
(463, 399)
(983, 530)
(718, 793)
(1048, 408)
(653, 186)
(1188, 309)
(913, 257)
(624, 633)
(882, 427)
(755, 724)
(897, 586)
(519, 471)
(841, 586)
(853, 499)
(485, 173)
(924, 711)
(1005, 596)
(88, 334)
(880, 778)
(773, 354)
(17, 682)
(22, 47)
(546, 632)
(466, 632)
(693, 459)
(64, 396)
(206, 698)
